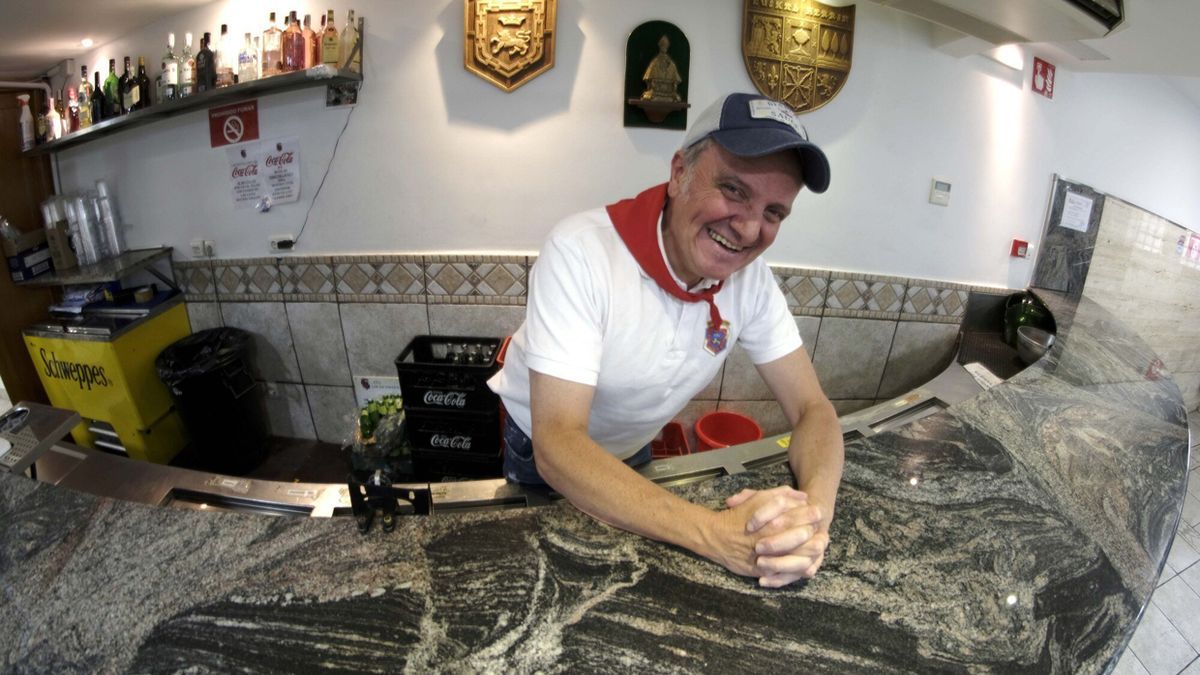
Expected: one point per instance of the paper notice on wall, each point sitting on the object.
(1077, 212)
(245, 174)
(281, 165)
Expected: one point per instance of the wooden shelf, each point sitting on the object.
(301, 79)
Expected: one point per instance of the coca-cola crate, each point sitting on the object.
(468, 433)
(447, 372)
(436, 464)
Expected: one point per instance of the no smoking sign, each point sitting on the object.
(234, 123)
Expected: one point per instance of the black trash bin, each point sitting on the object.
(208, 375)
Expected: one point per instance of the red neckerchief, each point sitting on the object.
(636, 220)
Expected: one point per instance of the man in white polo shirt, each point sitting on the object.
(632, 310)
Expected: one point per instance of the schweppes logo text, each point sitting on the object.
(84, 374)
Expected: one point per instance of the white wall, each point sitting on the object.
(436, 159)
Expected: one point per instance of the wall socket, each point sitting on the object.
(282, 242)
(203, 248)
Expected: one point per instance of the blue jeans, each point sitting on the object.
(519, 466)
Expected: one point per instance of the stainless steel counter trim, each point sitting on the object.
(86, 337)
(109, 476)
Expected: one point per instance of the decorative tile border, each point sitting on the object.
(935, 301)
(930, 318)
(868, 296)
(504, 280)
(247, 280)
(308, 279)
(380, 278)
(195, 279)
(496, 280)
(804, 289)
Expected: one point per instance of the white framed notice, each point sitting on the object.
(1077, 212)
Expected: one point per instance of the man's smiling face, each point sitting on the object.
(725, 210)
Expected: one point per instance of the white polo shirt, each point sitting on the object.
(594, 317)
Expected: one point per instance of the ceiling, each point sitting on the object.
(1158, 37)
(38, 35)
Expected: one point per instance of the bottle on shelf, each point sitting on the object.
(348, 56)
(54, 120)
(292, 45)
(143, 84)
(100, 109)
(329, 42)
(187, 68)
(206, 68)
(126, 95)
(247, 61)
(25, 120)
(112, 91)
(85, 99)
(311, 53)
(225, 58)
(272, 57)
(60, 106)
(72, 121)
(170, 71)
(41, 124)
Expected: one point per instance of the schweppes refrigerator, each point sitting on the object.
(102, 366)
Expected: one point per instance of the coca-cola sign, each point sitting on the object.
(280, 159)
(451, 442)
(244, 170)
(445, 399)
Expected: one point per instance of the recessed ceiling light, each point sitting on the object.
(86, 42)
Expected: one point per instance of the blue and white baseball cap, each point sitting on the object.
(752, 125)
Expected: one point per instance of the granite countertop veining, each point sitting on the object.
(1020, 530)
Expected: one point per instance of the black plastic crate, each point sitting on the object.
(447, 372)
(475, 434)
(435, 464)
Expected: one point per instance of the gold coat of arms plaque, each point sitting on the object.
(797, 51)
(509, 42)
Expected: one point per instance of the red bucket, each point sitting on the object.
(722, 429)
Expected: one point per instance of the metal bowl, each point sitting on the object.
(1032, 343)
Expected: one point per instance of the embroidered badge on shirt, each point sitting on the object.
(716, 339)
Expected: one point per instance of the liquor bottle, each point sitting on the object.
(293, 45)
(41, 125)
(348, 43)
(225, 58)
(126, 96)
(100, 108)
(272, 58)
(54, 120)
(26, 122)
(187, 68)
(247, 61)
(85, 99)
(71, 123)
(112, 91)
(143, 84)
(311, 54)
(206, 68)
(170, 71)
(329, 42)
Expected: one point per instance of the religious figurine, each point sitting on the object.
(662, 77)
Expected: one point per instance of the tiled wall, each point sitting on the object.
(321, 321)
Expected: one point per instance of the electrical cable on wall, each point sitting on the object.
(328, 166)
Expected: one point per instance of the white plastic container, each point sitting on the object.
(26, 122)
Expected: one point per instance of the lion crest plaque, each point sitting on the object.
(797, 51)
(509, 42)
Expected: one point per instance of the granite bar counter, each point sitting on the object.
(1020, 530)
